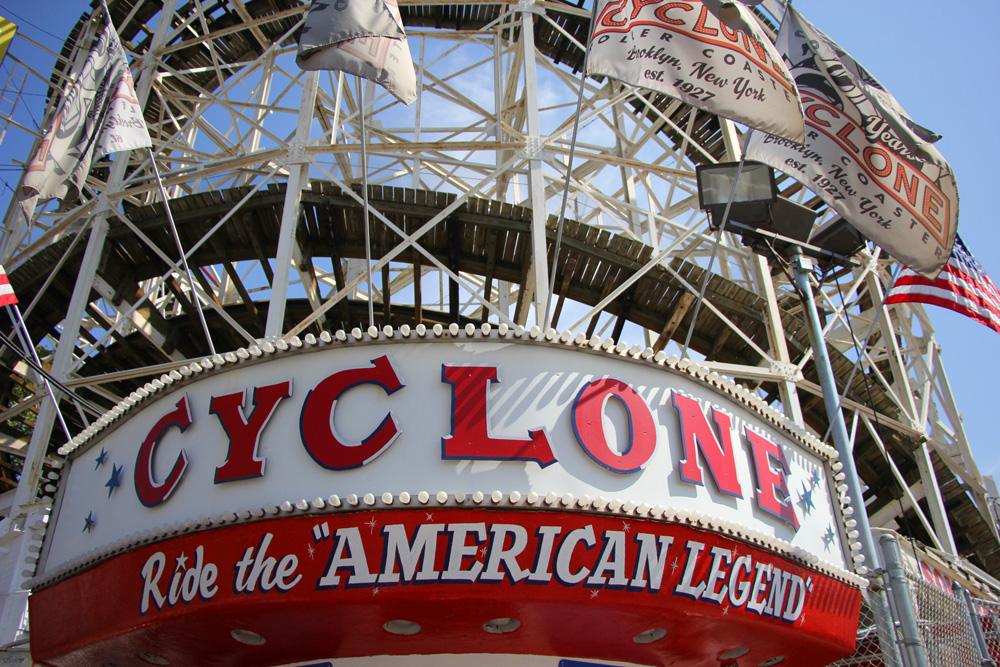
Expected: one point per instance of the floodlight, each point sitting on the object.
(839, 237)
(755, 190)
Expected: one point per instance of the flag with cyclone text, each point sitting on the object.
(361, 37)
(863, 154)
(711, 54)
(98, 114)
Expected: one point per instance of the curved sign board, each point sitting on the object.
(447, 580)
(496, 421)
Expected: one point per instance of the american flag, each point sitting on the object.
(962, 286)
(7, 297)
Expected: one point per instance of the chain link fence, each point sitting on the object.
(953, 629)
(943, 620)
(988, 615)
(876, 637)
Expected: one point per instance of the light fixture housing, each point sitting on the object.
(755, 190)
(838, 236)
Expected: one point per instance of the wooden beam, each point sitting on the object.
(684, 302)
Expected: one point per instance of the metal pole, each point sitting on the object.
(715, 249)
(977, 629)
(364, 194)
(180, 249)
(26, 340)
(569, 169)
(912, 647)
(803, 267)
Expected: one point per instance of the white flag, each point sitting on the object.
(124, 128)
(863, 154)
(99, 114)
(362, 37)
(712, 57)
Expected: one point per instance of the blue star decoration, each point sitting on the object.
(102, 458)
(88, 523)
(115, 481)
(806, 500)
(828, 537)
(816, 479)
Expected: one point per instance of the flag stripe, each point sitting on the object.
(962, 286)
(962, 268)
(950, 305)
(7, 296)
(983, 308)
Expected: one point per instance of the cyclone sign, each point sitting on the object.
(439, 418)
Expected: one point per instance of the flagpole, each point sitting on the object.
(364, 188)
(569, 170)
(26, 341)
(41, 371)
(180, 249)
(170, 217)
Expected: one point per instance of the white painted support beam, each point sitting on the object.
(539, 274)
(934, 500)
(907, 493)
(290, 213)
(138, 319)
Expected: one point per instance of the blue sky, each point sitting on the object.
(937, 59)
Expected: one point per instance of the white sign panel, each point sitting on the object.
(458, 418)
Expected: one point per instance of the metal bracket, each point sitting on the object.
(528, 6)
(102, 204)
(786, 371)
(533, 148)
(297, 153)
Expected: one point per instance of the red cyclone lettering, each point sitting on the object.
(150, 493)
(771, 482)
(661, 12)
(932, 208)
(906, 185)
(886, 168)
(319, 436)
(637, 6)
(610, 10)
(699, 26)
(717, 453)
(732, 35)
(588, 416)
(470, 431)
(811, 112)
(758, 48)
(844, 134)
(244, 434)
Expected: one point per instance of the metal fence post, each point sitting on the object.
(977, 629)
(912, 649)
(881, 606)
